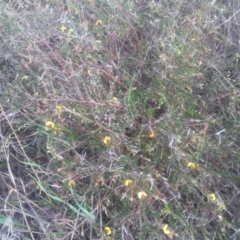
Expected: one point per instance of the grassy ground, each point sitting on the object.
(119, 119)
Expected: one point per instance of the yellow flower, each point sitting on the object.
(194, 166)
(142, 195)
(191, 165)
(106, 140)
(212, 197)
(59, 108)
(219, 218)
(222, 207)
(50, 124)
(71, 183)
(115, 100)
(63, 28)
(108, 231)
(166, 229)
(89, 72)
(151, 133)
(128, 183)
(98, 22)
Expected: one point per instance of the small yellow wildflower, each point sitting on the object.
(219, 218)
(166, 229)
(71, 183)
(191, 165)
(59, 108)
(212, 197)
(63, 28)
(98, 22)
(128, 183)
(222, 207)
(106, 140)
(89, 72)
(163, 57)
(115, 100)
(142, 195)
(50, 124)
(151, 133)
(108, 231)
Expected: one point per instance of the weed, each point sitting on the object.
(119, 119)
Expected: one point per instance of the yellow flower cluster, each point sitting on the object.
(98, 22)
(108, 230)
(71, 183)
(142, 195)
(63, 28)
(217, 201)
(193, 166)
(59, 108)
(115, 100)
(219, 218)
(212, 197)
(166, 229)
(151, 133)
(128, 183)
(222, 206)
(106, 140)
(50, 124)
(89, 72)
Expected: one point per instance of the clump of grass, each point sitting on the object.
(119, 119)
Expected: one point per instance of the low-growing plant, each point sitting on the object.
(119, 119)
